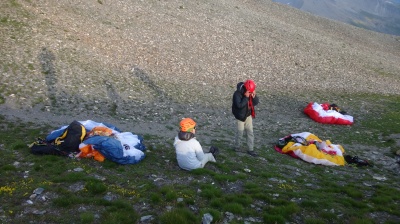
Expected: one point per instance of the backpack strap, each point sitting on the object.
(60, 140)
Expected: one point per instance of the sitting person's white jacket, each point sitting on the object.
(190, 155)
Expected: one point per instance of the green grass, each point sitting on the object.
(279, 189)
(180, 215)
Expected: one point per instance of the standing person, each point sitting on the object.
(243, 102)
(189, 152)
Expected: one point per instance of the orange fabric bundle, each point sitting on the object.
(87, 151)
(99, 130)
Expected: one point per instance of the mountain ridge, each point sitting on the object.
(377, 15)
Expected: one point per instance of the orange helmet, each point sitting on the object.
(187, 125)
(250, 85)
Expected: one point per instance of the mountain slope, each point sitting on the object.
(128, 58)
(378, 15)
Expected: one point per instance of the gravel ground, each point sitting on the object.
(143, 65)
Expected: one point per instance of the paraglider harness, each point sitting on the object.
(296, 139)
(67, 143)
(42, 147)
(336, 108)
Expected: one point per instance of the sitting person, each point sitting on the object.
(189, 152)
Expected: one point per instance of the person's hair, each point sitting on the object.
(185, 136)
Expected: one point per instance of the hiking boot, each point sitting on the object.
(252, 153)
(214, 150)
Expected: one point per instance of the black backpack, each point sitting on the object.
(71, 138)
(67, 143)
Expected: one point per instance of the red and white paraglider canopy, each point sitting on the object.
(323, 113)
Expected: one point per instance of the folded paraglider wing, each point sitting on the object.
(310, 148)
(327, 115)
(113, 150)
(104, 141)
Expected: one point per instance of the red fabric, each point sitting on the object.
(310, 112)
(251, 106)
(333, 153)
(291, 153)
(325, 106)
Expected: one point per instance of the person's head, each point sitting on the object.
(187, 125)
(250, 85)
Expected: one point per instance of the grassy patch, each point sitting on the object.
(278, 189)
(180, 215)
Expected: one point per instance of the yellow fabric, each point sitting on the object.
(312, 154)
(58, 140)
(83, 133)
